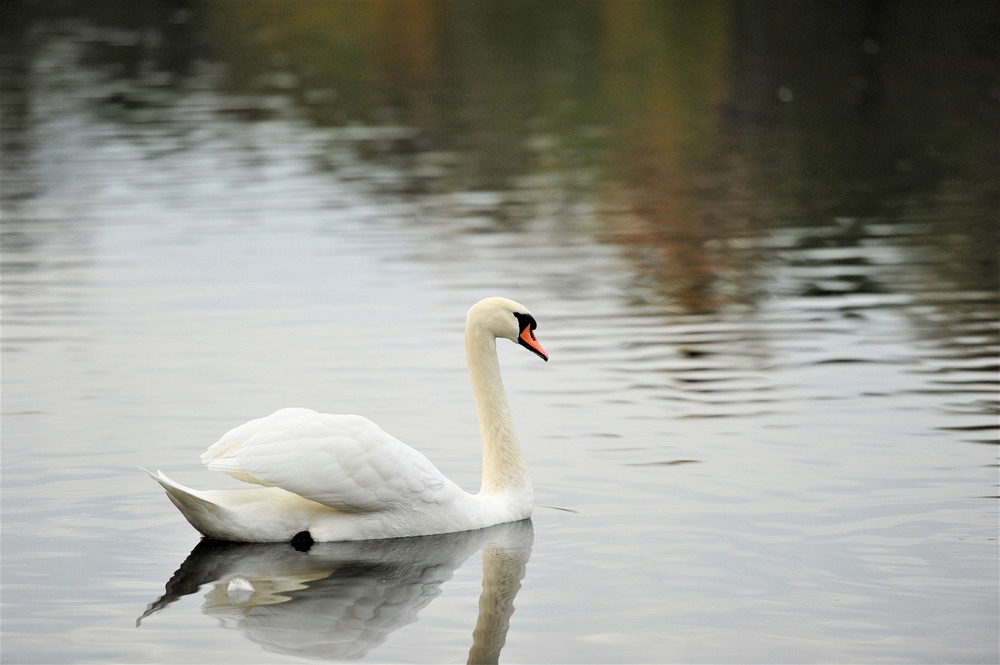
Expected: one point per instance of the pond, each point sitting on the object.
(761, 247)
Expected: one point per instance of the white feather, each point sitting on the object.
(345, 462)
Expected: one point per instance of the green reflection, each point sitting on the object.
(683, 124)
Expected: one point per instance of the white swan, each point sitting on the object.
(341, 477)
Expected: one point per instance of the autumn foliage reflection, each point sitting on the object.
(687, 125)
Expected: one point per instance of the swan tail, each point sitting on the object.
(196, 506)
(262, 515)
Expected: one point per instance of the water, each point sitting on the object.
(768, 429)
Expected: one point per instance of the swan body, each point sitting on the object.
(341, 477)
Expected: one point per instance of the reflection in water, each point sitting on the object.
(686, 125)
(339, 601)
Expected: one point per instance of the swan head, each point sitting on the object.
(501, 317)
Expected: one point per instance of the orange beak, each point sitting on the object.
(527, 339)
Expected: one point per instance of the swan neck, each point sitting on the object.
(504, 467)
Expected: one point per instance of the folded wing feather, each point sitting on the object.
(343, 461)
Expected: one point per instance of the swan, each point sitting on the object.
(341, 477)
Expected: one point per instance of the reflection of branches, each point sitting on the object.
(340, 600)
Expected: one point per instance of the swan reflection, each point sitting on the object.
(338, 601)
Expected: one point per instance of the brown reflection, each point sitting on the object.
(783, 114)
(664, 88)
(409, 56)
(692, 126)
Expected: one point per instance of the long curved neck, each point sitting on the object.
(504, 468)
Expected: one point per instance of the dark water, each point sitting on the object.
(760, 240)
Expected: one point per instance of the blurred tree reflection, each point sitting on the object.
(688, 122)
(664, 77)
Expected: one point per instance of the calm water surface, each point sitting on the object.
(768, 430)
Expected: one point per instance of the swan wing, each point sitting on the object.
(343, 461)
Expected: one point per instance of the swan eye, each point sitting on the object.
(526, 321)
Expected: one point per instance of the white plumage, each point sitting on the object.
(341, 477)
(344, 462)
